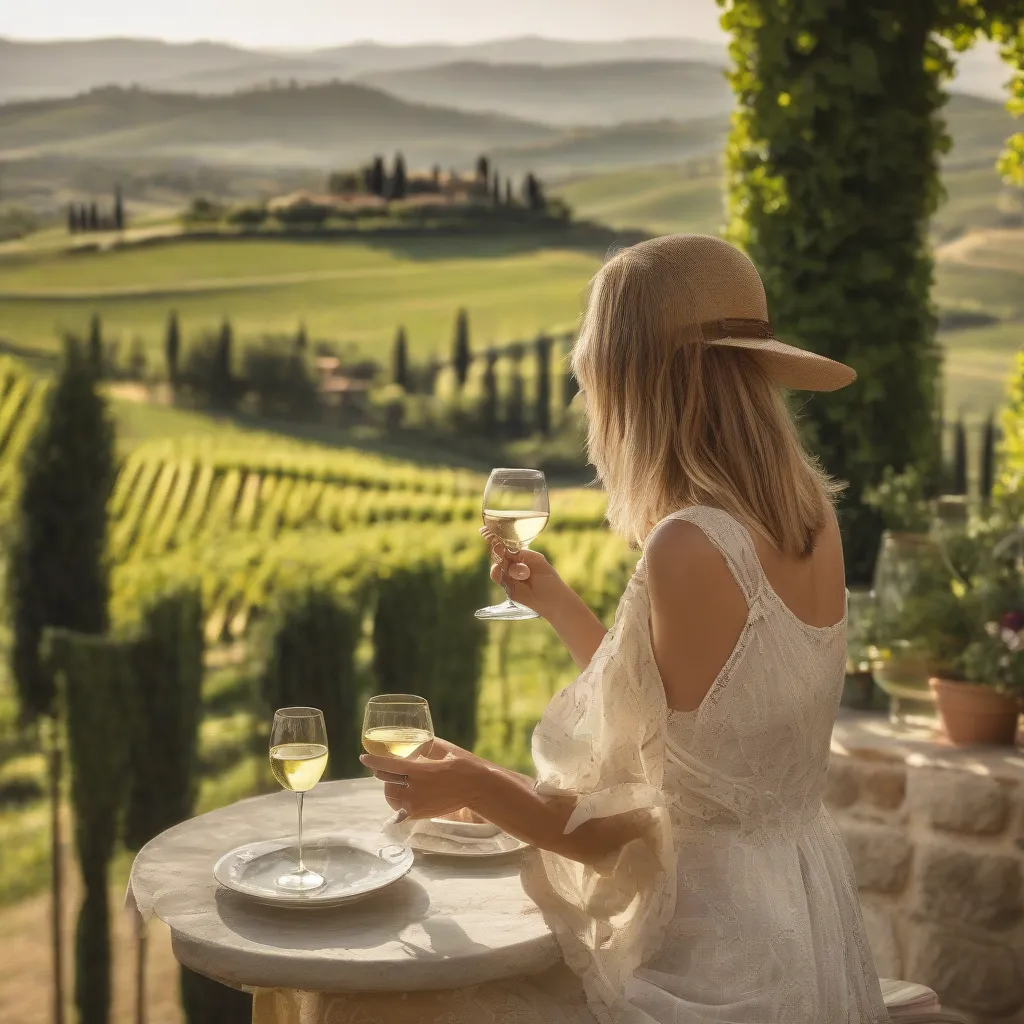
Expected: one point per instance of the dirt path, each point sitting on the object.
(25, 981)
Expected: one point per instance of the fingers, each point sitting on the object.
(389, 769)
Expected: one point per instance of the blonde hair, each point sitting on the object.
(674, 423)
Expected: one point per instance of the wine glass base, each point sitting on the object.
(508, 610)
(301, 881)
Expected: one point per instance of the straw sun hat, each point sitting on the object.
(724, 295)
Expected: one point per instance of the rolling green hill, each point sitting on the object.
(606, 93)
(348, 292)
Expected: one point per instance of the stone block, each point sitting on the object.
(840, 783)
(975, 888)
(959, 801)
(884, 785)
(885, 949)
(880, 854)
(967, 973)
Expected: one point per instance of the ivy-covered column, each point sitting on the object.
(833, 175)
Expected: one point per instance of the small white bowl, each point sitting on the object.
(470, 829)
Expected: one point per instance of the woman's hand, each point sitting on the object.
(528, 577)
(531, 580)
(427, 787)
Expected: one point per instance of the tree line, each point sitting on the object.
(83, 217)
(486, 183)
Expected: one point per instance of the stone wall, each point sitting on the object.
(936, 836)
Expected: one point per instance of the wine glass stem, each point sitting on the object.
(302, 867)
(504, 586)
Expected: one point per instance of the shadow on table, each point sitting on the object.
(364, 925)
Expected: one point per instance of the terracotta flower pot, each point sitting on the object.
(972, 713)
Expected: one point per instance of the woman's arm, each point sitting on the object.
(515, 807)
(429, 787)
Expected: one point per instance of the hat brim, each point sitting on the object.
(792, 367)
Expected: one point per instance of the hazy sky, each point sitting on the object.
(315, 23)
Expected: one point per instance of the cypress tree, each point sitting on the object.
(57, 570)
(167, 662)
(959, 458)
(172, 348)
(118, 209)
(223, 382)
(435, 173)
(483, 170)
(95, 685)
(72, 219)
(508, 192)
(489, 400)
(96, 346)
(94, 217)
(400, 360)
(987, 469)
(398, 182)
(461, 355)
(542, 351)
(514, 419)
(377, 176)
(308, 658)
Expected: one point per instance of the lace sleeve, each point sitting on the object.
(603, 740)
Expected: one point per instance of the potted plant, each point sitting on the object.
(980, 698)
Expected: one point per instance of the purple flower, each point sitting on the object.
(1013, 621)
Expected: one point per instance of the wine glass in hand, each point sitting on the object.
(397, 724)
(298, 757)
(515, 510)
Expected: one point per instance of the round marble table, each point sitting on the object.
(449, 923)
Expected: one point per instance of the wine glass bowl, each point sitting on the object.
(515, 510)
(397, 724)
(298, 758)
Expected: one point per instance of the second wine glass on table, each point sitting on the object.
(515, 510)
(298, 757)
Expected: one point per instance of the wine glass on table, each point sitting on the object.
(298, 757)
(515, 510)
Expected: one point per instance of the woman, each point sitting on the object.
(682, 854)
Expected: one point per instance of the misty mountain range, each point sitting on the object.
(53, 69)
(30, 70)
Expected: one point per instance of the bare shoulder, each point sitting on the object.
(697, 611)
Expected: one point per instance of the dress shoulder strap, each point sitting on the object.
(734, 542)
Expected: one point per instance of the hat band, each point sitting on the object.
(736, 327)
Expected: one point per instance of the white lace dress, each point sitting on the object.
(740, 905)
(737, 903)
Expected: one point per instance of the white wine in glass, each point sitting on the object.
(515, 510)
(397, 725)
(298, 757)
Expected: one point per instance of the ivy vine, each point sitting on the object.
(833, 175)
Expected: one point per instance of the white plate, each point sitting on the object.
(472, 829)
(354, 866)
(494, 846)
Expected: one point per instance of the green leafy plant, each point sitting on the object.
(900, 500)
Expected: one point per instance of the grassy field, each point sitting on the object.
(358, 293)
(346, 292)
